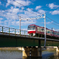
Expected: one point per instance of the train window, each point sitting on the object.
(42, 29)
(39, 29)
(55, 33)
(58, 33)
(48, 31)
(31, 27)
(52, 32)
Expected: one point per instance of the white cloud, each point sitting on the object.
(57, 30)
(1, 18)
(30, 13)
(41, 11)
(52, 6)
(49, 22)
(28, 22)
(11, 16)
(1, 21)
(23, 23)
(10, 13)
(54, 12)
(18, 2)
(14, 10)
(38, 7)
(0, 3)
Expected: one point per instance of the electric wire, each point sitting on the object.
(22, 5)
(29, 8)
(54, 24)
(36, 11)
(52, 20)
(22, 9)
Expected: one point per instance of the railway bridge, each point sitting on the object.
(9, 37)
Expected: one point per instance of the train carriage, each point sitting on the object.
(32, 29)
(49, 32)
(35, 30)
(56, 34)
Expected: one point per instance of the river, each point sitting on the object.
(17, 54)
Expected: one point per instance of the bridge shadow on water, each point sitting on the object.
(45, 55)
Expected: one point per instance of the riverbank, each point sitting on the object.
(21, 48)
(11, 48)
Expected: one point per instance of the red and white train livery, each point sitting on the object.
(36, 30)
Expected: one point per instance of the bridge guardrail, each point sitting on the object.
(12, 31)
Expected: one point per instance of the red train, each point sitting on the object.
(35, 30)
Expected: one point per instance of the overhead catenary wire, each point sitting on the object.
(22, 9)
(26, 7)
(35, 11)
(29, 8)
(44, 26)
(54, 23)
(14, 14)
(52, 20)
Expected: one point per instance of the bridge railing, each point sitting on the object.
(12, 31)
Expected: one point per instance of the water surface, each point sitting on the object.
(17, 54)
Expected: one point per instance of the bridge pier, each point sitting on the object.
(32, 52)
(57, 48)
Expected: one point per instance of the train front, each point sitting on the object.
(31, 30)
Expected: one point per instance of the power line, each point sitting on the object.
(35, 11)
(55, 24)
(18, 7)
(13, 14)
(30, 9)
(31, 12)
(27, 7)
(52, 20)
(22, 5)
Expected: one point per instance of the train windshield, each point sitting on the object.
(31, 27)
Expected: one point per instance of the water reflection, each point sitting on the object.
(10, 54)
(47, 55)
(16, 54)
(32, 58)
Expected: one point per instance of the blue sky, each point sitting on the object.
(10, 10)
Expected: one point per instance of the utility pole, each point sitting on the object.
(36, 18)
(20, 24)
(45, 29)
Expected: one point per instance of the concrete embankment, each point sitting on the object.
(12, 48)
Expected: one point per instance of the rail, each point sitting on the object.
(14, 31)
